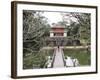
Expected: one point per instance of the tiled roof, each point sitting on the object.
(57, 27)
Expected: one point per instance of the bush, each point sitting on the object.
(36, 60)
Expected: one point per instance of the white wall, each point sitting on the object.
(5, 41)
(65, 34)
(51, 34)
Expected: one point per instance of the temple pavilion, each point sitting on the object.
(58, 31)
(58, 35)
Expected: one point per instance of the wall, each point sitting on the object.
(5, 41)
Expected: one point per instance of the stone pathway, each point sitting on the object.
(68, 47)
(58, 61)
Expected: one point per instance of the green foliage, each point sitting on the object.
(35, 33)
(80, 29)
(84, 20)
(35, 29)
(83, 55)
(36, 59)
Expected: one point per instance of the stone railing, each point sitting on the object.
(53, 58)
(51, 61)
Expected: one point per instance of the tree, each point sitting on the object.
(84, 20)
(35, 29)
(78, 25)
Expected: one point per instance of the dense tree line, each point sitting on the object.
(79, 29)
(35, 29)
(84, 20)
(35, 32)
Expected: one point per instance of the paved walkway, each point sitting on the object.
(58, 61)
